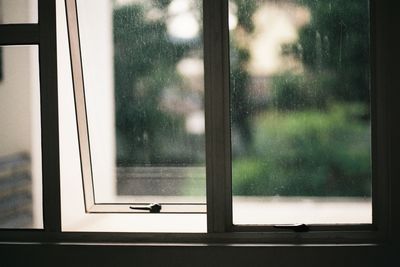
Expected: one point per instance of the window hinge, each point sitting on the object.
(295, 227)
(152, 208)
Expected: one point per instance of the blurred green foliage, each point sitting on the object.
(310, 137)
(313, 136)
(145, 62)
(244, 13)
(307, 153)
(335, 42)
(241, 104)
(290, 92)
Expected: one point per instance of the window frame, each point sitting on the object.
(217, 113)
(43, 35)
(219, 182)
(218, 132)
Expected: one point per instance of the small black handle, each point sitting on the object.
(152, 208)
(295, 227)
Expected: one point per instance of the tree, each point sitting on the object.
(334, 43)
(145, 65)
(241, 105)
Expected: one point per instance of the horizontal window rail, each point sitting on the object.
(19, 34)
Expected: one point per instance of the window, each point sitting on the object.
(157, 143)
(220, 228)
(144, 165)
(20, 157)
(299, 123)
(20, 149)
(301, 116)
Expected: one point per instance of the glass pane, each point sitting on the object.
(18, 11)
(301, 137)
(20, 146)
(143, 68)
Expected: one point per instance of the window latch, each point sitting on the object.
(152, 208)
(295, 227)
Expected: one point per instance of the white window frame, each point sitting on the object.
(385, 145)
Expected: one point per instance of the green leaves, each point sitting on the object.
(308, 153)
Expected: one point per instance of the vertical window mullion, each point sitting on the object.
(217, 118)
(49, 116)
(381, 141)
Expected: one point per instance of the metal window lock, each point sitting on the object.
(152, 208)
(294, 227)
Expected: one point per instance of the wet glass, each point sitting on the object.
(20, 138)
(18, 11)
(143, 71)
(301, 115)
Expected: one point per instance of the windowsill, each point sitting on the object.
(247, 210)
(156, 254)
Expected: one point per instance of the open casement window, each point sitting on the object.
(152, 176)
(291, 134)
